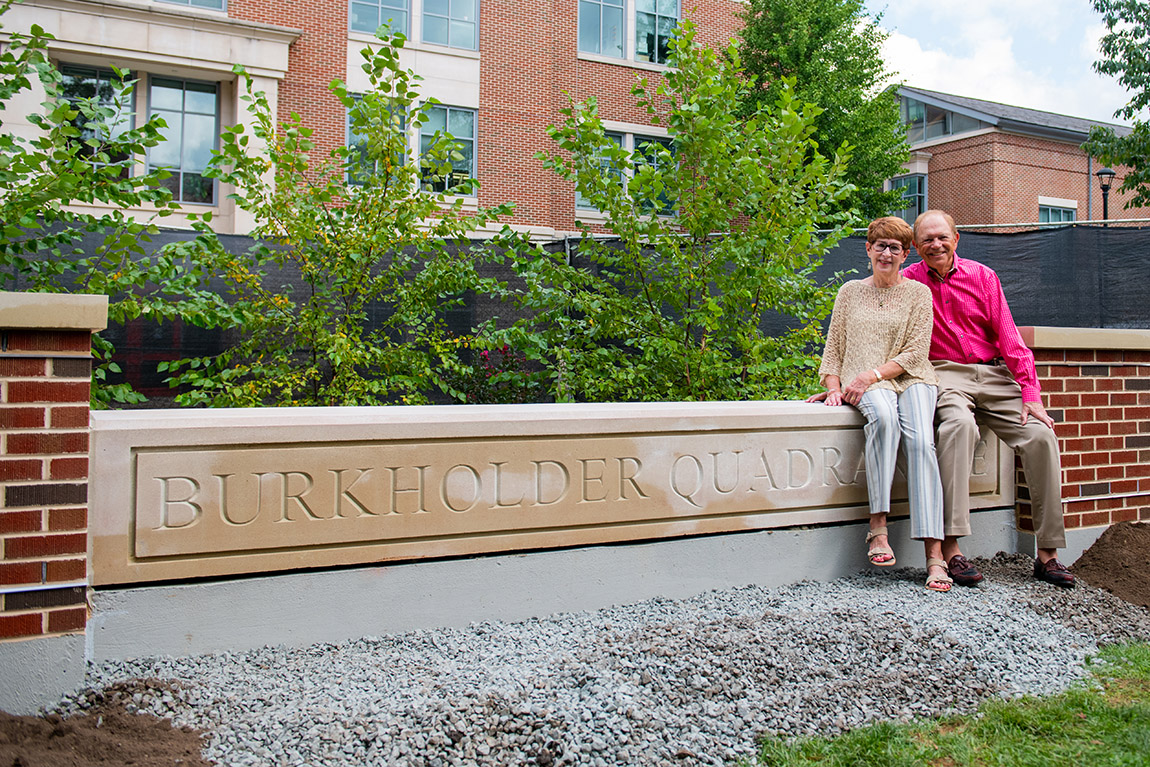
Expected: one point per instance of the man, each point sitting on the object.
(986, 376)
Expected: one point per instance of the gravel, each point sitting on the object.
(661, 682)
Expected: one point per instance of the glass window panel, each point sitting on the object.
(167, 153)
(364, 18)
(612, 44)
(200, 99)
(668, 8)
(199, 141)
(436, 121)
(589, 27)
(645, 6)
(216, 5)
(196, 188)
(435, 30)
(166, 94)
(463, 10)
(461, 123)
(437, 7)
(462, 34)
(962, 123)
(644, 36)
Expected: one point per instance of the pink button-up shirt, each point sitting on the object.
(972, 322)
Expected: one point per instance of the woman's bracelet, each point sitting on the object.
(877, 375)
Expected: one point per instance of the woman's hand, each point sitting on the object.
(832, 398)
(856, 388)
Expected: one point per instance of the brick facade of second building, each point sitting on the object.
(988, 163)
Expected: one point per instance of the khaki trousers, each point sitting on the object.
(970, 396)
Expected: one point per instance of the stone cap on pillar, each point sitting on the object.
(53, 311)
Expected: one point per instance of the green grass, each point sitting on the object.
(1103, 722)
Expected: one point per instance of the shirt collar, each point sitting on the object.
(954, 267)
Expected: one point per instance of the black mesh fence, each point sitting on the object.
(1079, 276)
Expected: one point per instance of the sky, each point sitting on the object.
(1026, 53)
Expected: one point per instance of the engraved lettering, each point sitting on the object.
(629, 479)
(499, 502)
(832, 456)
(715, 476)
(767, 475)
(588, 479)
(698, 484)
(476, 488)
(563, 488)
(803, 458)
(167, 502)
(860, 468)
(344, 493)
(287, 495)
(224, 507)
(396, 489)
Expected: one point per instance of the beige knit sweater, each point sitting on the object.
(871, 326)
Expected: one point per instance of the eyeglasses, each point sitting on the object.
(894, 248)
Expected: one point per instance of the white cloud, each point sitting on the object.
(1031, 53)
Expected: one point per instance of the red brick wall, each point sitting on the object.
(997, 178)
(44, 380)
(528, 63)
(1101, 400)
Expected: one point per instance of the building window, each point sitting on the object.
(216, 5)
(451, 22)
(655, 22)
(99, 86)
(1050, 214)
(649, 151)
(460, 123)
(370, 15)
(191, 111)
(601, 27)
(925, 122)
(913, 195)
(359, 172)
(607, 168)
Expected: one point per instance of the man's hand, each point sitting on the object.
(1038, 411)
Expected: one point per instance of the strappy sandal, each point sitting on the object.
(877, 551)
(937, 582)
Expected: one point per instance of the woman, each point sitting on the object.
(877, 342)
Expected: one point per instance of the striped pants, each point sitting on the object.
(909, 415)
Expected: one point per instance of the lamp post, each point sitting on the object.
(1105, 179)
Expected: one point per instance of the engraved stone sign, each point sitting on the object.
(224, 492)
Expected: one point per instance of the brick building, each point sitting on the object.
(989, 163)
(502, 71)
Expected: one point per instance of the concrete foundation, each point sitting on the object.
(37, 671)
(302, 608)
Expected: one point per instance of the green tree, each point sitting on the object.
(67, 196)
(1125, 50)
(831, 50)
(716, 228)
(378, 258)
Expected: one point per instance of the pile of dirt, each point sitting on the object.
(1119, 562)
(110, 735)
(106, 735)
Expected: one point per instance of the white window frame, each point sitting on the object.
(473, 140)
(404, 29)
(925, 195)
(149, 110)
(630, 29)
(1065, 209)
(630, 133)
(205, 5)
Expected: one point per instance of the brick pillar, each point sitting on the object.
(45, 374)
(1096, 385)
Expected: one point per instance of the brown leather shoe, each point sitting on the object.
(962, 571)
(1053, 571)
